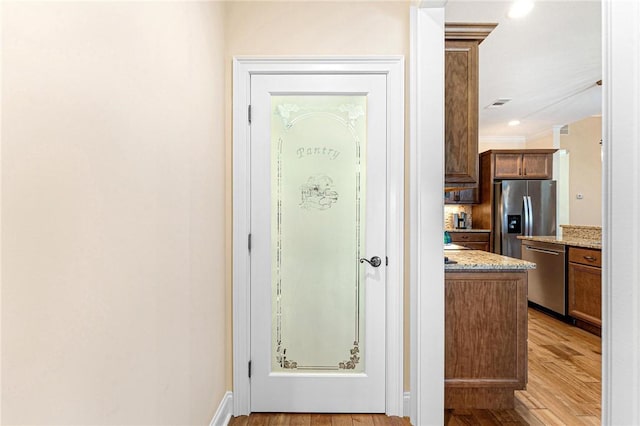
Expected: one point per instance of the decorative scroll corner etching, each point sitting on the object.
(353, 360)
(318, 193)
(281, 357)
(354, 112)
(284, 111)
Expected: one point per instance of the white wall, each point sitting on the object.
(113, 296)
(494, 142)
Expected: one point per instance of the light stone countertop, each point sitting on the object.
(567, 241)
(468, 230)
(478, 260)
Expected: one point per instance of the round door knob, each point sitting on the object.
(375, 261)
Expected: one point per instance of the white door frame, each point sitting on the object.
(621, 190)
(243, 68)
(426, 141)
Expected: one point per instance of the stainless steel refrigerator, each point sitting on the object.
(522, 207)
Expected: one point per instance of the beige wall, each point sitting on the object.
(585, 171)
(114, 303)
(542, 142)
(314, 28)
(113, 287)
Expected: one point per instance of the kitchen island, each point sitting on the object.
(485, 329)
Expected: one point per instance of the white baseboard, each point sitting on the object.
(406, 406)
(224, 412)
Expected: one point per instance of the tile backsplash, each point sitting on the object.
(450, 210)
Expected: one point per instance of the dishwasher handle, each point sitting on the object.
(555, 253)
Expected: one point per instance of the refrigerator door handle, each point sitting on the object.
(530, 215)
(525, 209)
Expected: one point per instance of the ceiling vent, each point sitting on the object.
(564, 130)
(498, 103)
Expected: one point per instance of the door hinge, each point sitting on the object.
(249, 242)
(387, 260)
(249, 114)
(249, 369)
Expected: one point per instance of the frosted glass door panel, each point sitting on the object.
(318, 152)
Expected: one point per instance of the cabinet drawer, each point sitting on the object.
(463, 237)
(475, 245)
(585, 256)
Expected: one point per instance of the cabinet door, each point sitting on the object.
(537, 166)
(461, 113)
(465, 196)
(508, 166)
(585, 294)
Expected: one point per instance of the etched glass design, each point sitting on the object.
(318, 152)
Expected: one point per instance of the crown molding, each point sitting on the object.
(468, 30)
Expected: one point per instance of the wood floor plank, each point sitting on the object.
(260, 419)
(320, 419)
(279, 419)
(590, 420)
(300, 419)
(528, 400)
(548, 418)
(362, 420)
(526, 414)
(239, 421)
(341, 420)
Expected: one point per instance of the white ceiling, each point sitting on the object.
(547, 62)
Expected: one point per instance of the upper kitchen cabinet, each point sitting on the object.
(461, 102)
(524, 164)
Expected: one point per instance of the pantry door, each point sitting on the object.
(318, 242)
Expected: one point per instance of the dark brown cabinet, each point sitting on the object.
(584, 280)
(485, 338)
(523, 165)
(461, 102)
(471, 240)
(465, 196)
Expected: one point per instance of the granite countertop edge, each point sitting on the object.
(581, 226)
(573, 242)
(482, 261)
(468, 230)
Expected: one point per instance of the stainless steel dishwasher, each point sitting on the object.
(547, 282)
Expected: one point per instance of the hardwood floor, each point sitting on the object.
(280, 419)
(563, 389)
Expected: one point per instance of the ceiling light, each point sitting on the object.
(520, 8)
(514, 122)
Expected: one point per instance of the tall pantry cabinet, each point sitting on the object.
(461, 102)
